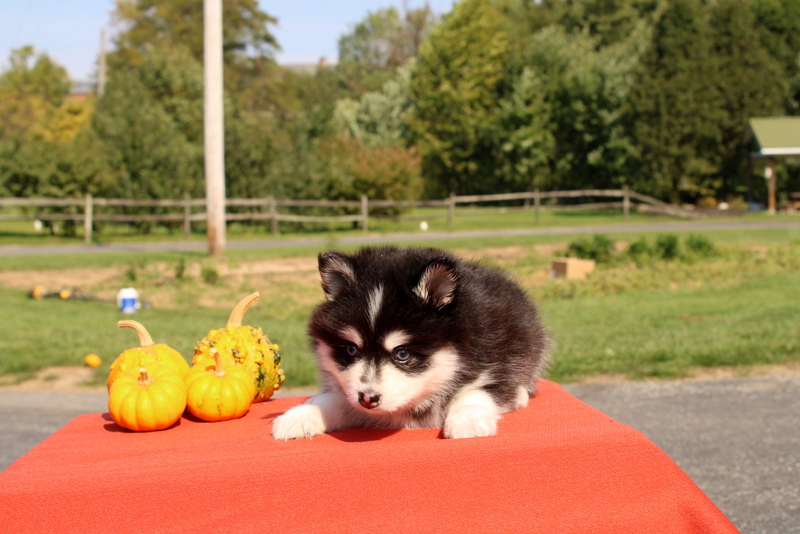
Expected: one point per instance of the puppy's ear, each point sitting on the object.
(335, 271)
(437, 284)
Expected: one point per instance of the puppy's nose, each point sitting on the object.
(369, 400)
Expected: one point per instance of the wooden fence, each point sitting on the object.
(84, 209)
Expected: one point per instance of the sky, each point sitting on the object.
(69, 30)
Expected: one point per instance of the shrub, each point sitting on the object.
(600, 249)
(667, 247)
(701, 245)
(639, 250)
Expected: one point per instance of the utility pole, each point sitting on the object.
(214, 130)
(101, 65)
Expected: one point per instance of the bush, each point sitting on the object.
(667, 247)
(639, 250)
(701, 246)
(600, 249)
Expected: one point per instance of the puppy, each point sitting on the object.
(416, 338)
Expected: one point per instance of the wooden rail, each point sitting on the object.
(84, 209)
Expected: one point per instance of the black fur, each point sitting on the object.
(479, 311)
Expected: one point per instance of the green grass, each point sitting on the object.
(53, 332)
(662, 319)
(667, 334)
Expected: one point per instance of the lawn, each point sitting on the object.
(657, 319)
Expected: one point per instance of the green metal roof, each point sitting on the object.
(776, 136)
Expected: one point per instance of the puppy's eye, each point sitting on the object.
(401, 355)
(352, 350)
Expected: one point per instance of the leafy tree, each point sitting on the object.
(43, 78)
(675, 113)
(751, 83)
(778, 24)
(455, 85)
(381, 43)
(151, 120)
(525, 144)
(30, 91)
(379, 118)
(571, 132)
(247, 44)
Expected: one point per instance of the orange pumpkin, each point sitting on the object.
(147, 352)
(217, 392)
(151, 399)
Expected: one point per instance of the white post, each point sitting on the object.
(101, 65)
(214, 130)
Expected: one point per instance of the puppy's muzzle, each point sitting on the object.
(369, 400)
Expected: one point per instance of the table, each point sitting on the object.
(556, 466)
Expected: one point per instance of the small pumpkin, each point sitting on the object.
(218, 392)
(151, 398)
(245, 346)
(92, 360)
(147, 352)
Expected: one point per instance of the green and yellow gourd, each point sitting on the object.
(246, 346)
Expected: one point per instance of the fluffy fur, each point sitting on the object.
(417, 338)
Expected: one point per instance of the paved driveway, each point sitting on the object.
(738, 439)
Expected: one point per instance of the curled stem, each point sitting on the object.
(237, 315)
(144, 336)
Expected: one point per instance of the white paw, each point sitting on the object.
(304, 421)
(470, 422)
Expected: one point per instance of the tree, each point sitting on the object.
(456, 86)
(30, 91)
(751, 83)
(583, 89)
(380, 44)
(378, 118)
(525, 144)
(675, 115)
(247, 44)
(151, 119)
(43, 77)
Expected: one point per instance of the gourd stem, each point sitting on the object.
(143, 378)
(218, 370)
(237, 315)
(144, 336)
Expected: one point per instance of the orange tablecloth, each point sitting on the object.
(556, 466)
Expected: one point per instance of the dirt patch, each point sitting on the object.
(59, 379)
(55, 280)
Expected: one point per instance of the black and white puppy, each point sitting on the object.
(417, 338)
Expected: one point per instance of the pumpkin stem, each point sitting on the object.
(144, 379)
(218, 370)
(144, 336)
(237, 315)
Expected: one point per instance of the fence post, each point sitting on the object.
(451, 210)
(273, 213)
(187, 216)
(626, 202)
(536, 203)
(87, 218)
(364, 213)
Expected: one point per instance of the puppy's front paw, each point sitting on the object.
(470, 422)
(304, 421)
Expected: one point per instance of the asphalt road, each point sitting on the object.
(738, 439)
(375, 238)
